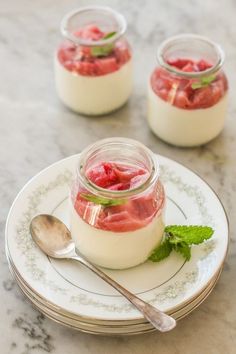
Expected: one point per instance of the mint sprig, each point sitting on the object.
(180, 238)
(193, 234)
(184, 249)
(109, 35)
(161, 252)
(101, 51)
(101, 200)
(205, 81)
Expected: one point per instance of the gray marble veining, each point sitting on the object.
(36, 130)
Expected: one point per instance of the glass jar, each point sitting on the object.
(93, 64)
(117, 203)
(188, 91)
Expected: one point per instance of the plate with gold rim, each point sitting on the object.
(120, 329)
(63, 315)
(70, 287)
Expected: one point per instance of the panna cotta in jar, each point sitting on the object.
(117, 203)
(93, 64)
(188, 91)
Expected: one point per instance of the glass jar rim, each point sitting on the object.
(86, 42)
(96, 190)
(182, 37)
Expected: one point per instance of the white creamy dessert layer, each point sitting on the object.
(183, 127)
(116, 250)
(94, 95)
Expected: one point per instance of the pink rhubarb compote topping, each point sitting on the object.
(134, 213)
(86, 60)
(183, 92)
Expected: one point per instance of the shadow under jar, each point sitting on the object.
(117, 209)
(93, 64)
(188, 91)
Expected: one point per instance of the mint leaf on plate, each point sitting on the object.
(161, 251)
(191, 234)
(184, 249)
(180, 238)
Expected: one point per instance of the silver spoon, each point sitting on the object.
(54, 239)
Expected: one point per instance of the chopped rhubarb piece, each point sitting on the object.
(106, 65)
(91, 32)
(203, 97)
(181, 99)
(179, 63)
(203, 65)
(85, 68)
(188, 68)
(119, 187)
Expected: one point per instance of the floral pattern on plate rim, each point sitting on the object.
(29, 249)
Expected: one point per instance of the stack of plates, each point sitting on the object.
(72, 295)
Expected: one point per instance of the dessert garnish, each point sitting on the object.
(102, 51)
(102, 201)
(205, 81)
(109, 35)
(180, 238)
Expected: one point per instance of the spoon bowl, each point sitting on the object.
(52, 236)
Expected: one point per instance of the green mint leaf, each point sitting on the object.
(192, 234)
(161, 252)
(184, 249)
(109, 35)
(205, 81)
(208, 79)
(102, 201)
(102, 51)
(197, 85)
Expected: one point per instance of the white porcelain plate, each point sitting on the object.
(70, 287)
(115, 329)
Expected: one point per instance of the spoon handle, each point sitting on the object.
(158, 319)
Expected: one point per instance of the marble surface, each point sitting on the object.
(36, 130)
